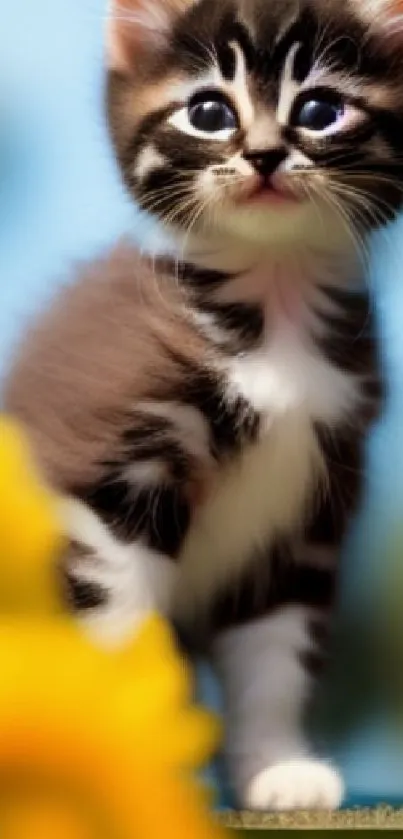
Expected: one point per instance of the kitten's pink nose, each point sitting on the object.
(266, 161)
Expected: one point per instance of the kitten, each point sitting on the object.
(204, 412)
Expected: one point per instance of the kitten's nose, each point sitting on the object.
(266, 161)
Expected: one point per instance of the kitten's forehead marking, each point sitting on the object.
(289, 87)
(240, 86)
(237, 89)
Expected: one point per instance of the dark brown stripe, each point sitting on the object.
(233, 423)
(243, 323)
(151, 438)
(271, 585)
(343, 455)
(313, 661)
(83, 595)
(159, 515)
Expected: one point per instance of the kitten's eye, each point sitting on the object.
(319, 114)
(211, 116)
(208, 115)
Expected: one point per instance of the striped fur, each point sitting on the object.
(221, 489)
(203, 415)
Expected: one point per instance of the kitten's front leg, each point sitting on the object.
(127, 528)
(264, 667)
(112, 586)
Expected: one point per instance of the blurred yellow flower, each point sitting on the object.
(115, 730)
(94, 744)
(30, 537)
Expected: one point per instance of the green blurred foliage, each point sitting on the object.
(366, 658)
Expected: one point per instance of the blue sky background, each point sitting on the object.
(61, 200)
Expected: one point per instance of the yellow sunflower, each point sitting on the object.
(94, 744)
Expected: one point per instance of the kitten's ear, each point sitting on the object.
(387, 15)
(136, 27)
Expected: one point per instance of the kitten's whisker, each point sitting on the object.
(349, 224)
(372, 210)
(193, 221)
(371, 166)
(312, 194)
(152, 203)
(358, 225)
(177, 212)
(362, 197)
(162, 195)
(338, 154)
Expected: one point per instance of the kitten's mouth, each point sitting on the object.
(266, 191)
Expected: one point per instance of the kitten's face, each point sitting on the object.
(259, 117)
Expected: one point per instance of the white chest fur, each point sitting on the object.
(266, 491)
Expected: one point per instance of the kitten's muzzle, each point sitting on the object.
(268, 182)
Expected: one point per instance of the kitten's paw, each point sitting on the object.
(295, 785)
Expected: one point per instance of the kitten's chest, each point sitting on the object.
(265, 491)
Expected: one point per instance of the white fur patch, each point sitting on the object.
(138, 579)
(190, 427)
(265, 688)
(144, 472)
(289, 373)
(239, 88)
(302, 784)
(148, 160)
(288, 87)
